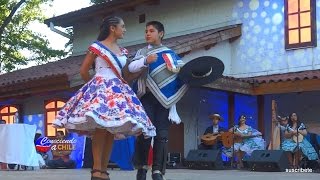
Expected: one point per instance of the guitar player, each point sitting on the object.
(214, 129)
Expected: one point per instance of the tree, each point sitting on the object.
(19, 45)
(98, 1)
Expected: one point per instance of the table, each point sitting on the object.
(17, 144)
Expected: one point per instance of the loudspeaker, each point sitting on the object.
(174, 156)
(246, 162)
(173, 160)
(268, 160)
(204, 159)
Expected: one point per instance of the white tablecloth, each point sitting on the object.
(17, 144)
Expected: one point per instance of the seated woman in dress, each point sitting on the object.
(290, 145)
(247, 140)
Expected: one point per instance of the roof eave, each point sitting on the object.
(104, 9)
(44, 84)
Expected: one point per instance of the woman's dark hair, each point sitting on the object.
(105, 26)
(290, 120)
(240, 118)
(158, 25)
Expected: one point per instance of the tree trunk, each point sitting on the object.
(6, 22)
(9, 18)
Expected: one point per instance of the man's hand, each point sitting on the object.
(66, 153)
(151, 58)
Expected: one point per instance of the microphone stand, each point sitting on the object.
(201, 101)
(233, 131)
(298, 160)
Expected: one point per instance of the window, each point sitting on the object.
(7, 113)
(300, 24)
(142, 18)
(51, 109)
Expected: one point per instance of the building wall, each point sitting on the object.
(84, 34)
(259, 51)
(261, 48)
(221, 51)
(180, 17)
(35, 104)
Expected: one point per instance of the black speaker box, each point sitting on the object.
(173, 156)
(268, 160)
(246, 162)
(204, 159)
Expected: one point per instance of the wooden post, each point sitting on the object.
(260, 102)
(231, 109)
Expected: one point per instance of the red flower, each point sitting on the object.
(112, 103)
(95, 101)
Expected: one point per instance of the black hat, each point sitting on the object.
(202, 70)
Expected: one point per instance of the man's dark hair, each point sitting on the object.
(60, 132)
(156, 24)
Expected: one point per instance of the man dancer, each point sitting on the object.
(159, 90)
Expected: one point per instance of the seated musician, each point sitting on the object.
(246, 140)
(214, 130)
(292, 142)
(61, 158)
(283, 125)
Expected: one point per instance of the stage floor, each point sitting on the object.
(172, 174)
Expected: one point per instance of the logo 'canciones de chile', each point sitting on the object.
(43, 144)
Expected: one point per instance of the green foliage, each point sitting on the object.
(19, 44)
(98, 1)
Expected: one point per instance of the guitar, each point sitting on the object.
(228, 139)
(210, 139)
(297, 137)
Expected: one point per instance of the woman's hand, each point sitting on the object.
(238, 134)
(86, 65)
(303, 132)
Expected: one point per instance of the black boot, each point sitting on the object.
(157, 176)
(160, 151)
(142, 174)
